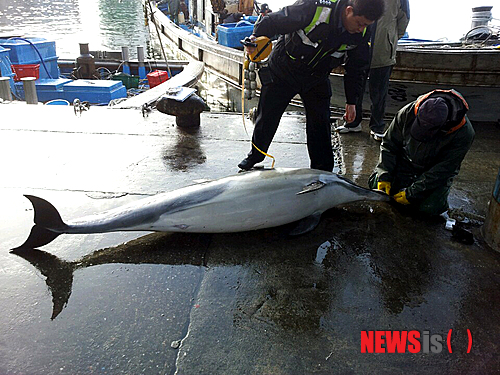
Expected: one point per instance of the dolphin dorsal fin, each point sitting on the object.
(313, 186)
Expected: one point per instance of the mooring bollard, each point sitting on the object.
(125, 58)
(140, 57)
(85, 63)
(30, 90)
(186, 112)
(491, 228)
(5, 93)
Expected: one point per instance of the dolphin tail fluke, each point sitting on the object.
(39, 236)
(48, 224)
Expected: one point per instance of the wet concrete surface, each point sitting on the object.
(250, 303)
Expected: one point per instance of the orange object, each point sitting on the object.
(157, 77)
(25, 70)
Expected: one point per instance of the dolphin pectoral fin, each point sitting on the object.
(311, 187)
(305, 225)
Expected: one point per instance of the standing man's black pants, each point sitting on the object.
(275, 97)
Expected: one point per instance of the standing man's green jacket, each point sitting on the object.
(423, 164)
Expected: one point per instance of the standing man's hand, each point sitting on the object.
(350, 113)
(250, 49)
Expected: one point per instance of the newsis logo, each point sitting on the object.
(406, 341)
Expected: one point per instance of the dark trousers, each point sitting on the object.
(274, 99)
(378, 85)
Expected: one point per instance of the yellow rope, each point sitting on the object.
(243, 112)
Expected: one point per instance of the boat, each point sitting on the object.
(96, 77)
(470, 67)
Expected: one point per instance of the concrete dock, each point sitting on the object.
(258, 302)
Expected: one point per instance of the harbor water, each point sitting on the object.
(104, 24)
(111, 24)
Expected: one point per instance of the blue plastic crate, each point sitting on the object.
(51, 84)
(230, 34)
(52, 71)
(52, 67)
(46, 89)
(94, 91)
(22, 52)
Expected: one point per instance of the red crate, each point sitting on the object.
(26, 70)
(157, 77)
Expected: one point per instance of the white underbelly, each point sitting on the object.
(241, 214)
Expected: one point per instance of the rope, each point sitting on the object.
(243, 113)
(159, 38)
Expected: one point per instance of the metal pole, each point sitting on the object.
(140, 57)
(5, 93)
(125, 58)
(30, 90)
(159, 38)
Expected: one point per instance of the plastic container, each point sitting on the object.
(481, 16)
(230, 34)
(58, 102)
(52, 71)
(25, 70)
(22, 52)
(128, 81)
(157, 77)
(46, 89)
(163, 8)
(94, 91)
(51, 84)
(251, 19)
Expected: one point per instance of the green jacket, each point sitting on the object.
(421, 167)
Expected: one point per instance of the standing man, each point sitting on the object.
(315, 37)
(184, 9)
(233, 17)
(422, 151)
(174, 10)
(388, 30)
(264, 11)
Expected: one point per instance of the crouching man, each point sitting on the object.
(422, 151)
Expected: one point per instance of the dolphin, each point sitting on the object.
(247, 201)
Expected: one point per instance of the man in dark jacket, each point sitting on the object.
(264, 11)
(315, 37)
(233, 18)
(422, 151)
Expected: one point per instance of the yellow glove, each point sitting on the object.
(401, 197)
(384, 186)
